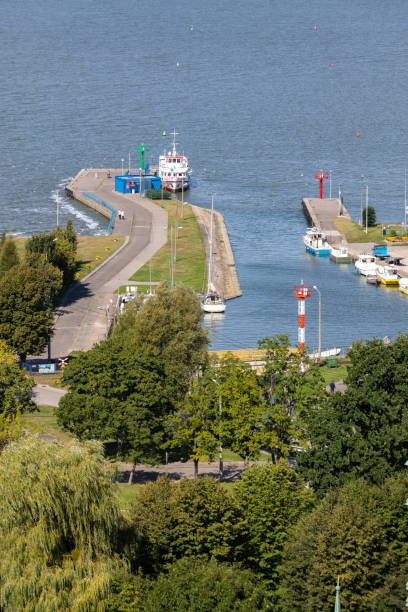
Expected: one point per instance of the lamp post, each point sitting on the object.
(122, 164)
(361, 200)
(220, 460)
(320, 321)
(330, 193)
(129, 163)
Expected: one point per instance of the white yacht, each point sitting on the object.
(340, 255)
(174, 169)
(315, 242)
(212, 301)
(403, 285)
(387, 275)
(365, 264)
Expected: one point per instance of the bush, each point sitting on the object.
(196, 586)
(156, 194)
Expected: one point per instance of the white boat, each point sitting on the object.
(316, 243)
(174, 169)
(365, 264)
(387, 275)
(340, 255)
(403, 285)
(212, 301)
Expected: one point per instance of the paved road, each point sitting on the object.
(83, 316)
(44, 395)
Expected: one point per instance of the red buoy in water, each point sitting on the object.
(315, 27)
(358, 134)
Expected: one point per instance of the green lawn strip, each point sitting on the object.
(353, 232)
(52, 380)
(92, 251)
(44, 421)
(190, 266)
(333, 374)
(127, 494)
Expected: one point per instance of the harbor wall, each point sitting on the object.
(321, 212)
(225, 277)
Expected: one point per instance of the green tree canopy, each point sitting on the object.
(193, 585)
(58, 526)
(187, 518)
(115, 394)
(292, 391)
(27, 296)
(244, 418)
(358, 533)
(364, 431)
(369, 217)
(8, 256)
(272, 497)
(168, 327)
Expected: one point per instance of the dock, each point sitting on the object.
(322, 212)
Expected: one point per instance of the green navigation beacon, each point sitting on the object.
(142, 150)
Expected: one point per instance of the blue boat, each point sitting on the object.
(316, 243)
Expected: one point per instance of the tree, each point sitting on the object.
(194, 428)
(292, 389)
(272, 497)
(27, 297)
(115, 394)
(193, 585)
(9, 256)
(58, 526)
(15, 399)
(244, 418)
(364, 431)
(168, 327)
(195, 518)
(358, 533)
(369, 217)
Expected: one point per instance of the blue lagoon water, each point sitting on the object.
(251, 90)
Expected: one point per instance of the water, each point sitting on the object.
(258, 108)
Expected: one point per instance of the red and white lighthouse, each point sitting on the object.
(301, 292)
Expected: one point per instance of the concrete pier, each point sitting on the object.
(320, 213)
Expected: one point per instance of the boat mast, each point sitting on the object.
(405, 202)
(210, 242)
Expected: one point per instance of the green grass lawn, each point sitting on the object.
(52, 380)
(190, 266)
(333, 374)
(353, 232)
(44, 421)
(127, 494)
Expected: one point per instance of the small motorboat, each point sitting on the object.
(212, 302)
(366, 264)
(372, 279)
(340, 255)
(388, 275)
(316, 243)
(403, 285)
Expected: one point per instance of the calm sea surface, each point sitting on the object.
(251, 90)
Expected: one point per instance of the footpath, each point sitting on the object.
(88, 307)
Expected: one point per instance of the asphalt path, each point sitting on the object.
(44, 395)
(83, 317)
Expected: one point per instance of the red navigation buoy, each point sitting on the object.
(358, 134)
(315, 27)
(332, 65)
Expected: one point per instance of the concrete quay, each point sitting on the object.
(321, 213)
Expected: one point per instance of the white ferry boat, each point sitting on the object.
(315, 242)
(174, 169)
(366, 265)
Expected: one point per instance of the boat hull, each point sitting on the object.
(404, 290)
(213, 307)
(175, 188)
(388, 282)
(340, 259)
(317, 251)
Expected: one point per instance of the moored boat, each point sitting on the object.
(372, 279)
(403, 285)
(366, 264)
(174, 169)
(212, 301)
(388, 275)
(340, 255)
(315, 242)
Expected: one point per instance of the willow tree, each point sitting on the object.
(58, 524)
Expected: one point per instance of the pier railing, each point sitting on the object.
(103, 203)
